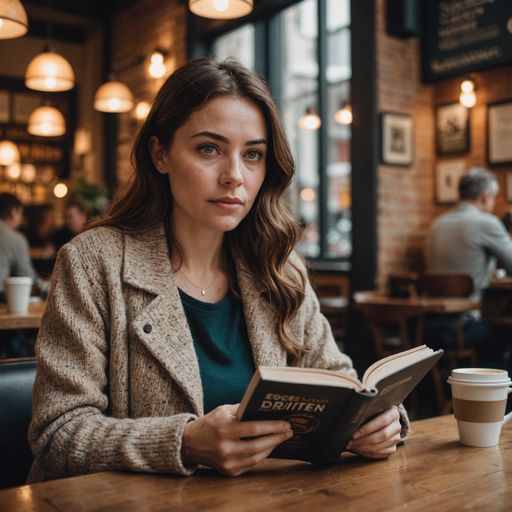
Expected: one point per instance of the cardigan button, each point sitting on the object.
(147, 328)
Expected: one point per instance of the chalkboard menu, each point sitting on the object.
(461, 36)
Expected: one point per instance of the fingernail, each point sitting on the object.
(356, 435)
(286, 426)
(289, 433)
(349, 445)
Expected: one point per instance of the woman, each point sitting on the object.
(161, 312)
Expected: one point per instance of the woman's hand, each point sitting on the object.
(217, 440)
(378, 438)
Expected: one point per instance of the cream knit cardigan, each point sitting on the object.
(117, 373)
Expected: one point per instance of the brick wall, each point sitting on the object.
(140, 30)
(406, 199)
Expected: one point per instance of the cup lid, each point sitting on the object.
(18, 280)
(479, 376)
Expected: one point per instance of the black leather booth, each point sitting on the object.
(16, 382)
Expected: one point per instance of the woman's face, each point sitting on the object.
(216, 165)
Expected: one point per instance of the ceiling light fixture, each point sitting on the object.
(310, 121)
(157, 67)
(9, 153)
(46, 122)
(13, 19)
(114, 97)
(221, 9)
(344, 114)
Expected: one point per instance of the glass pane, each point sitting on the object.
(238, 43)
(339, 71)
(299, 89)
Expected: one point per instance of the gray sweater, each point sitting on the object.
(468, 240)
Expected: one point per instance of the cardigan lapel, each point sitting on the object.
(162, 325)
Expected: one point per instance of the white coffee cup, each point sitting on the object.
(17, 291)
(479, 401)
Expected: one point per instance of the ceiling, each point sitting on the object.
(98, 9)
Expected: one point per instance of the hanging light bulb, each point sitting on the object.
(142, 110)
(221, 9)
(344, 114)
(9, 153)
(310, 121)
(113, 97)
(28, 173)
(60, 190)
(467, 96)
(46, 122)
(13, 171)
(13, 19)
(157, 66)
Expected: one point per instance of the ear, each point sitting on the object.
(484, 196)
(158, 155)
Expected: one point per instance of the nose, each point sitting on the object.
(231, 172)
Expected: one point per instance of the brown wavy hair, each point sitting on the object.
(266, 237)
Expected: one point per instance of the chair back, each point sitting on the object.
(16, 382)
(445, 285)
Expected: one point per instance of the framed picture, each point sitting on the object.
(448, 174)
(499, 132)
(397, 139)
(509, 187)
(452, 129)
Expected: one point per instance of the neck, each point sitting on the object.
(476, 203)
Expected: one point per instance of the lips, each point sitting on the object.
(227, 203)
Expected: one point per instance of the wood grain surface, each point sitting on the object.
(432, 471)
(32, 320)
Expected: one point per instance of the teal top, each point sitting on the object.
(223, 348)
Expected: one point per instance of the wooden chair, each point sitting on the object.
(332, 292)
(402, 284)
(450, 285)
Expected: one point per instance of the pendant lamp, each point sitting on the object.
(47, 122)
(9, 153)
(13, 19)
(49, 71)
(467, 95)
(221, 9)
(113, 96)
(344, 114)
(310, 121)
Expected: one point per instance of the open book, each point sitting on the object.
(325, 408)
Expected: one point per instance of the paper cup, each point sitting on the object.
(479, 401)
(17, 290)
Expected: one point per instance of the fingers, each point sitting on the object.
(381, 421)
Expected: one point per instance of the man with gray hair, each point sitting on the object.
(469, 238)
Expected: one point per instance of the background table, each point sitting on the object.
(32, 320)
(432, 471)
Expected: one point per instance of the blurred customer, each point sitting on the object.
(76, 214)
(14, 248)
(39, 230)
(14, 261)
(470, 239)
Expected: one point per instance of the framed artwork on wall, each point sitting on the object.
(396, 139)
(448, 174)
(452, 129)
(499, 132)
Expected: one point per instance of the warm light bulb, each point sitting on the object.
(28, 173)
(157, 70)
(221, 5)
(60, 190)
(14, 171)
(343, 116)
(50, 69)
(308, 194)
(50, 82)
(467, 86)
(157, 58)
(1, 22)
(142, 110)
(46, 128)
(468, 99)
(114, 103)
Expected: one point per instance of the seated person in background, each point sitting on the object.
(76, 215)
(14, 248)
(469, 239)
(38, 231)
(161, 311)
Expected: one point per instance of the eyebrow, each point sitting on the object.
(221, 138)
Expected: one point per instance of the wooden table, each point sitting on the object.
(497, 302)
(431, 304)
(32, 320)
(504, 283)
(432, 471)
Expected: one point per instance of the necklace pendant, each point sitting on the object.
(203, 292)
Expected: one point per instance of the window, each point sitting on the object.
(305, 51)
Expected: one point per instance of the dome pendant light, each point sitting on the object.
(13, 19)
(113, 96)
(9, 153)
(49, 71)
(47, 122)
(221, 9)
(310, 121)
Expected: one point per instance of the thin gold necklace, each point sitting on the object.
(203, 290)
